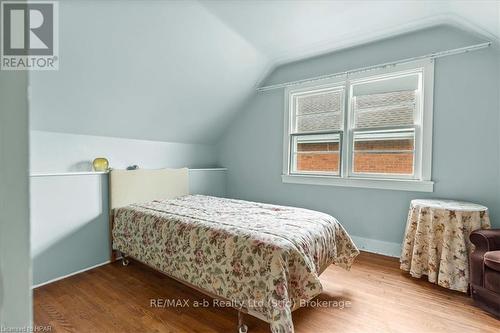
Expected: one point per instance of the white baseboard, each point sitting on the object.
(71, 274)
(376, 246)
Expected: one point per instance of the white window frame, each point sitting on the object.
(420, 181)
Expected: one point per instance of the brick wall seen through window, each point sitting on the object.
(374, 156)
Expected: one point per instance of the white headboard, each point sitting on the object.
(137, 186)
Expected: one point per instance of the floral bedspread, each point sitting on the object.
(264, 257)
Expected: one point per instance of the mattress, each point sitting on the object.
(263, 257)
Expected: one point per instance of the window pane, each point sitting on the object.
(316, 154)
(319, 122)
(384, 152)
(330, 101)
(384, 117)
(387, 102)
(319, 110)
(385, 99)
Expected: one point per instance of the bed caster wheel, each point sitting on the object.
(242, 328)
(125, 262)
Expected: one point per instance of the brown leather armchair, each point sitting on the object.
(485, 270)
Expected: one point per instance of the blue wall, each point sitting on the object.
(15, 264)
(465, 142)
(69, 213)
(70, 224)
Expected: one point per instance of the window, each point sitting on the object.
(372, 129)
(316, 153)
(384, 152)
(317, 126)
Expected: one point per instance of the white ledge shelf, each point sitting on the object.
(384, 184)
(209, 169)
(94, 173)
(56, 174)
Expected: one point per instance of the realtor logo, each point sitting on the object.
(29, 38)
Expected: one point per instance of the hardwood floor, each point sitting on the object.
(113, 298)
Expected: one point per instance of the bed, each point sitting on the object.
(265, 259)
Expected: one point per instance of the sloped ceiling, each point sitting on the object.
(179, 70)
(291, 30)
(155, 70)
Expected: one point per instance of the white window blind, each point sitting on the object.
(384, 110)
(385, 102)
(319, 111)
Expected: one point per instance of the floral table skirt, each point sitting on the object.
(437, 242)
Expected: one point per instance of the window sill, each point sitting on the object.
(385, 184)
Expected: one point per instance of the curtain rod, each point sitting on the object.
(433, 55)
